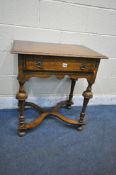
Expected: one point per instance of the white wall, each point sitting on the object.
(87, 22)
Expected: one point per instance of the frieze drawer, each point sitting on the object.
(58, 64)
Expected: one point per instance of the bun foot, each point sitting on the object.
(21, 132)
(68, 106)
(80, 128)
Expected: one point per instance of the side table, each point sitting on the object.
(46, 59)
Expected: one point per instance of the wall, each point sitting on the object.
(90, 23)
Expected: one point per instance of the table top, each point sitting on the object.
(52, 49)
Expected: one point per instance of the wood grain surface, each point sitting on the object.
(52, 49)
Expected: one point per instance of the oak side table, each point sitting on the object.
(46, 59)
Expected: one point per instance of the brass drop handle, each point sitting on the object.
(39, 64)
(83, 67)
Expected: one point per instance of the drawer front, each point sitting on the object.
(54, 64)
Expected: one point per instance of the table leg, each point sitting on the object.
(87, 96)
(70, 102)
(21, 96)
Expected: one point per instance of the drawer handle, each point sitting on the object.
(39, 64)
(83, 67)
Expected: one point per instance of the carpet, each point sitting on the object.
(55, 148)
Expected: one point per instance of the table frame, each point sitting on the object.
(24, 76)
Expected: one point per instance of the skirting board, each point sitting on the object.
(48, 101)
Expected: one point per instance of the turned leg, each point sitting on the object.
(87, 95)
(70, 102)
(21, 96)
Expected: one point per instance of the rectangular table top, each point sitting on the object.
(52, 49)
